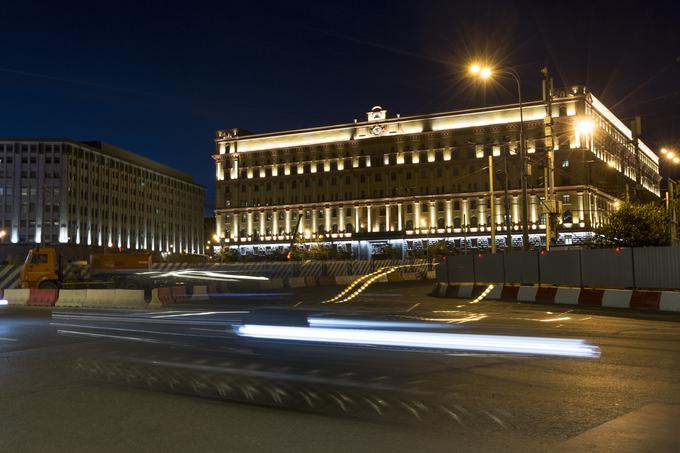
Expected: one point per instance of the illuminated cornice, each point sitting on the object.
(393, 126)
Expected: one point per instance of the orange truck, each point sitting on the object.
(43, 269)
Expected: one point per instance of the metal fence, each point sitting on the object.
(644, 267)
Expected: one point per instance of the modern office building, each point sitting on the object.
(95, 194)
(409, 180)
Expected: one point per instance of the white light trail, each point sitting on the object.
(4, 302)
(448, 341)
(351, 323)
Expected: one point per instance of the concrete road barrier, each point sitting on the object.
(129, 298)
(527, 293)
(17, 296)
(296, 282)
(567, 296)
(72, 298)
(272, 283)
(96, 298)
(669, 301)
(199, 293)
(42, 297)
(326, 280)
(617, 298)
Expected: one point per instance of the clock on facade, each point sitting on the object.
(377, 130)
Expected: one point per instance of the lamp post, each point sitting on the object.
(485, 73)
(673, 158)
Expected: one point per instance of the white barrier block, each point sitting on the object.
(465, 291)
(297, 282)
(567, 295)
(129, 298)
(527, 293)
(97, 298)
(495, 292)
(17, 296)
(155, 300)
(410, 276)
(670, 301)
(71, 298)
(441, 289)
(199, 293)
(617, 298)
(431, 275)
(272, 283)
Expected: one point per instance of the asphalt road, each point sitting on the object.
(70, 393)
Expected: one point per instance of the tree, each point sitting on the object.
(634, 225)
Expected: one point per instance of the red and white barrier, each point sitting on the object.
(587, 297)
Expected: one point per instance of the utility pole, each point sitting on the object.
(493, 206)
(546, 207)
(549, 182)
(506, 203)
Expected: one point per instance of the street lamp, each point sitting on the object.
(673, 158)
(485, 73)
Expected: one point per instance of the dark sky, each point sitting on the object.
(160, 78)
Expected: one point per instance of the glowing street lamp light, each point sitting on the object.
(585, 127)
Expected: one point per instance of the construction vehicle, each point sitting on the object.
(44, 269)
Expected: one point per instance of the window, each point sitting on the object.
(566, 199)
(565, 163)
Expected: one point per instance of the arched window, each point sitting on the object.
(440, 223)
(473, 221)
(456, 222)
(349, 228)
(409, 224)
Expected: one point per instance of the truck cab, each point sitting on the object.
(40, 269)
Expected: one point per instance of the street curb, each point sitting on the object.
(661, 301)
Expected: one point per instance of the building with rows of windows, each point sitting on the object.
(405, 181)
(95, 194)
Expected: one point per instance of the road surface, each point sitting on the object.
(625, 400)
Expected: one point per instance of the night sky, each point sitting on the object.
(160, 78)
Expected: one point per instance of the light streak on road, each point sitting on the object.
(425, 340)
(4, 302)
(203, 275)
(353, 323)
(562, 318)
(483, 295)
(203, 313)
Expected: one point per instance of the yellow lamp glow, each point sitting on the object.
(485, 73)
(664, 150)
(475, 68)
(584, 127)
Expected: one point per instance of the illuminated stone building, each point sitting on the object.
(408, 180)
(95, 194)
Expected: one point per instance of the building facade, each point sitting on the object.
(95, 194)
(405, 181)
